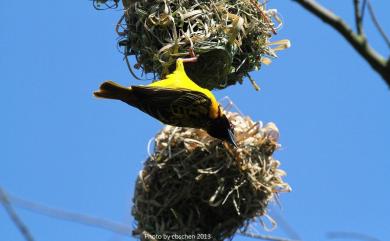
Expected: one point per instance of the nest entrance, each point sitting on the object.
(195, 185)
(212, 67)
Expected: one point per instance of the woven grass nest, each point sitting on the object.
(230, 37)
(196, 185)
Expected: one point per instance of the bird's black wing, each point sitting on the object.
(179, 107)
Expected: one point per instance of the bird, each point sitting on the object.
(175, 100)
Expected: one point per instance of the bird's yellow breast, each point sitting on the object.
(179, 80)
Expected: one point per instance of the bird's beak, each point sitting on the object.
(232, 138)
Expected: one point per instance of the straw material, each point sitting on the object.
(231, 37)
(200, 188)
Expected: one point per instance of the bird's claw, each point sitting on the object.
(193, 57)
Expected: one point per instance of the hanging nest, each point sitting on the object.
(196, 187)
(230, 37)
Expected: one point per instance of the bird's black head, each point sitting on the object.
(222, 129)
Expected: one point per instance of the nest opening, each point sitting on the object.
(196, 185)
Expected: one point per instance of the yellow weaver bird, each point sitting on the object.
(176, 101)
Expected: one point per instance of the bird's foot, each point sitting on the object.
(193, 57)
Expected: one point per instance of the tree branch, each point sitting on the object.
(359, 43)
(14, 217)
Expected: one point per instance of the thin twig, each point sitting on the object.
(4, 200)
(358, 17)
(377, 24)
(350, 235)
(71, 216)
(265, 237)
(363, 9)
(91, 221)
(285, 225)
(376, 61)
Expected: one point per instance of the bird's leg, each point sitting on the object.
(193, 57)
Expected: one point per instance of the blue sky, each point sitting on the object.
(62, 147)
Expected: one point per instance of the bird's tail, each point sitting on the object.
(112, 90)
